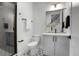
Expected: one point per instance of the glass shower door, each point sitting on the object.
(7, 29)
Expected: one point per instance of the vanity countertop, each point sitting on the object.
(57, 34)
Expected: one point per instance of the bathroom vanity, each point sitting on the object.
(57, 35)
(56, 43)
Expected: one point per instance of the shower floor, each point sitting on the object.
(4, 53)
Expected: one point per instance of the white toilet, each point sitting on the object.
(35, 41)
(33, 44)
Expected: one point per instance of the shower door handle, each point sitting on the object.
(20, 41)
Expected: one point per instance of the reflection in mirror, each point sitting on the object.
(7, 28)
(54, 21)
(55, 18)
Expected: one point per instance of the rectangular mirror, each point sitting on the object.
(54, 21)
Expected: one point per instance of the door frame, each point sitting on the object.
(15, 29)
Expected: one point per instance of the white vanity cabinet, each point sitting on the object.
(56, 44)
(61, 46)
(48, 45)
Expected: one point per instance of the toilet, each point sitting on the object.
(35, 41)
(34, 44)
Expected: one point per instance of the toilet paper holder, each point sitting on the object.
(21, 41)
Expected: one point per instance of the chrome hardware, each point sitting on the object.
(21, 41)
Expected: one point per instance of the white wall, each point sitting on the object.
(74, 43)
(26, 12)
(38, 18)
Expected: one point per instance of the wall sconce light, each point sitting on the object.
(56, 6)
(59, 6)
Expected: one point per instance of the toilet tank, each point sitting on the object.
(36, 37)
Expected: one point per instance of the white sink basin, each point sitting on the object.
(57, 34)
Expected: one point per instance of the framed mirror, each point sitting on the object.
(54, 21)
